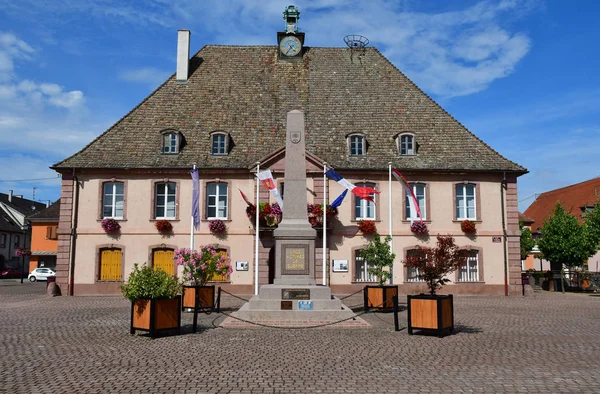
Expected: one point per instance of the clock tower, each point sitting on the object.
(290, 42)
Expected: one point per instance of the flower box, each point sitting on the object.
(380, 297)
(431, 314)
(367, 227)
(110, 226)
(468, 226)
(217, 226)
(419, 227)
(206, 297)
(22, 252)
(155, 315)
(163, 226)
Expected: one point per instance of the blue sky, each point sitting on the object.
(520, 74)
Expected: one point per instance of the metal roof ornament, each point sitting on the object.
(356, 43)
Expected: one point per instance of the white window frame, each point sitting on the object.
(469, 272)
(462, 201)
(225, 144)
(422, 203)
(412, 272)
(113, 195)
(170, 143)
(361, 269)
(219, 195)
(407, 145)
(358, 143)
(162, 189)
(363, 206)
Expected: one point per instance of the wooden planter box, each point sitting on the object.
(380, 297)
(206, 297)
(431, 314)
(155, 315)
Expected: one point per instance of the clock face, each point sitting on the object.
(290, 46)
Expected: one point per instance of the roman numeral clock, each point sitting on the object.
(290, 41)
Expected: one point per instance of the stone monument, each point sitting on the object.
(294, 298)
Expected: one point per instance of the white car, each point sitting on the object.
(40, 274)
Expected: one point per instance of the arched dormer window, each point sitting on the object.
(171, 142)
(406, 144)
(357, 144)
(219, 143)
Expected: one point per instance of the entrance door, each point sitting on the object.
(163, 260)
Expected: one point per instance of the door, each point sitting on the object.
(110, 264)
(163, 260)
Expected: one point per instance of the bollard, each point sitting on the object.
(395, 301)
(219, 300)
(365, 300)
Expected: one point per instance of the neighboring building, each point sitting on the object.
(578, 199)
(14, 231)
(227, 113)
(44, 237)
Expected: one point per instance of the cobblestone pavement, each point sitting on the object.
(546, 343)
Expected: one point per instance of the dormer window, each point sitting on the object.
(406, 145)
(219, 144)
(170, 144)
(357, 145)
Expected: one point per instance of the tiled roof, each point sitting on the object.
(50, 213)
(584, 194)
(525, 219)
(22, 205)
(7, 224)
(246, 91)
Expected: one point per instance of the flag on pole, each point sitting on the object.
(412, 199)
(363, 192)
(338, 201)
(266, 178)
(245, 198)
(196, 198)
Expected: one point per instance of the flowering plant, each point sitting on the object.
(164, 226)
(110, 225)
(22, 252)
(251, 211)
(317, 210)
(268, 213)
(367, 226)
(468, 226)
(217, 226)
(200, 266)
(419, 227)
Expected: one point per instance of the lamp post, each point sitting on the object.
(25, 229)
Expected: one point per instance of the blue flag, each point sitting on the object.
(196, 198)
(338, 201)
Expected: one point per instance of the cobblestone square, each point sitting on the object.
(545, 343)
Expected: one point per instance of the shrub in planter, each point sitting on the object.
(217, 226)
(432, 312)
(380, 259)
(110, 226)
(367, 226)
(419, 227)
(163, 226)
(155, 300)
(468, 226)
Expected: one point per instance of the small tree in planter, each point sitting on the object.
(155, 300)
(434, 312)
(198, 268)
(380, 259)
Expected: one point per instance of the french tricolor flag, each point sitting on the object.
(359, 191)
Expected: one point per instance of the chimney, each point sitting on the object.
(10, 196)
(183, 55)
(47, 203)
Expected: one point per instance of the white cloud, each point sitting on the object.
(146, 75)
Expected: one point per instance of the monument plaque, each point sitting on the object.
(286, 305)
(293, 259)
(295, 294)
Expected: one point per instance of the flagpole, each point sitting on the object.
(192, 217)
(324, 224)
(256, 229)
(390, 218)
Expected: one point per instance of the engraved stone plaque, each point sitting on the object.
(295, 294)
(286, 305)
(294, 260)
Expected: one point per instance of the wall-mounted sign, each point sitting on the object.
(305, 305)
(241, 266)
(340, 265)
(496, 240)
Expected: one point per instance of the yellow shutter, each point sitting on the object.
(163, 260)
(220, 278)
(110, 264)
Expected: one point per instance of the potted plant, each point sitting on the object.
(367, 227)
(380, 259)
(110, 226)
(468, 226)
(315, 214)
(432, 312)
(419, 227)
(155, 300)
(217, 226)
(163, 226)
(199, 266)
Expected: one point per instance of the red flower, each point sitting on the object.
(468, 226)
(164, 226)
(367, 226)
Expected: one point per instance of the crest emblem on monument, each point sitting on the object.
(295, 137)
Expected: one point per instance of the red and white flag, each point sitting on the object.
(266, 178)
(412, 199)
(245, 198)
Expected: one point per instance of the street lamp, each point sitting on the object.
(25, 229)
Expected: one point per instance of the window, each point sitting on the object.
(162, 259)
(170, 142)
(2, 240)
(361, 269)
(357, 145)
(51, 232)
(419, 190)
(164, 200)
(110, 264)
(364, 209)
(112, 200)
(469, 272)
(407, 146)
(465, 202)
(216, 201)
(219, 144)
(16, 241)
(412, 273)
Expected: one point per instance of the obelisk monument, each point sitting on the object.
(295, 237)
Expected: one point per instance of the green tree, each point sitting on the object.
(379, 257)
(591, 227)
(564, 240)
(527, 242)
